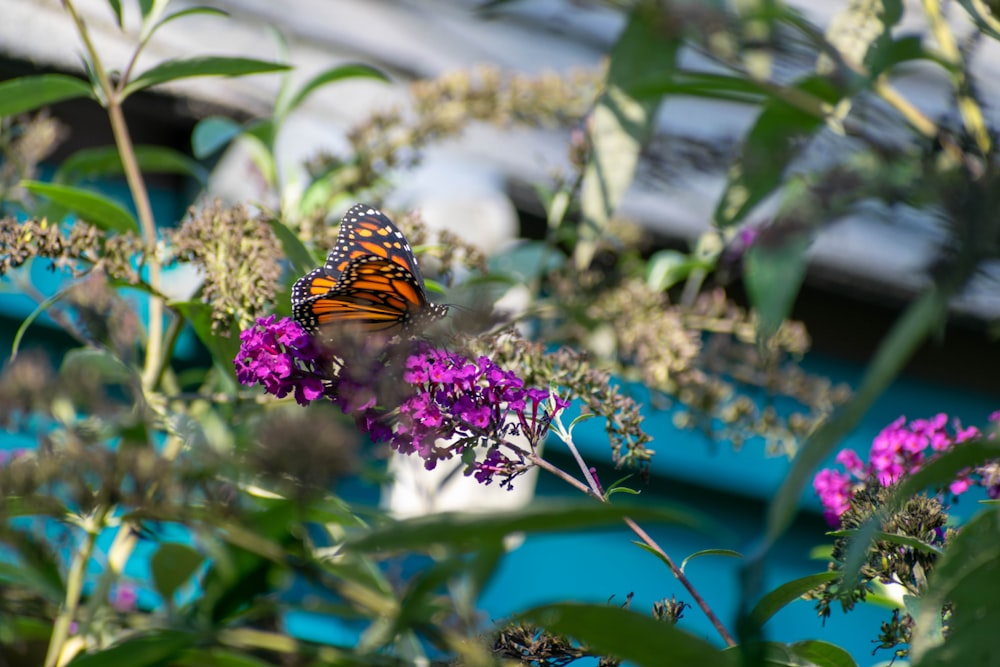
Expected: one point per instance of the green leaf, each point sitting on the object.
(186, 68)
(904, 540)
(666, 268)
(37, 565)
(896, 348)
(151, 649)
(730, 553)
(105, 161)
(982, 16)
(28, 93)
(222, 348)
(945, 467)
(218, 657)
(464, 529)
(191, 11)
(332, 75)
(773, 274)
(967, 576)
(628, 635)
(116, 7)
(770, 146)
(809, 653)
(298, 256)
(212, 134)
(97, 362)
(258, 138)
(244, 571)
(789, 592)
(29, 320)
(621, 122)
(172, 565)
(94, 208)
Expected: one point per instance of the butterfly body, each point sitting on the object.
(370, 280)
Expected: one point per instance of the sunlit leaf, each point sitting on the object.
(28, 93)
(728, 553)
(191, 11)
(644, 53)
(771, 145)
(92, 207)
(96, 362)
(186, 68)
(332, 75)
(983, 17)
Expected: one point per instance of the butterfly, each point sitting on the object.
(370, 279)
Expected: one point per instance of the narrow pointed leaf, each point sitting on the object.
(223, 349)
(172, 565)
(790, 591)
(191, 11)
(770, 147)
(186, 68)
(332, 75)
(298, 256)
(465, 529)
(212, 134)
(729, 553)
(116, 7)
(968, 577)
(94, 208)
(636, 638)
(773, 275)
(105, 161)
(158, 647)
(28, 93)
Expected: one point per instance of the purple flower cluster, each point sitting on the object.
(900, 449)
(434, 403)
(283, 358)
(459, 405)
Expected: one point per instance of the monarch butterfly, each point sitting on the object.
(370, 279)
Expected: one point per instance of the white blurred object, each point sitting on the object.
(416, 491)
(464, 197)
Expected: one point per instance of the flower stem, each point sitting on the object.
(593, 491)
(74, 587)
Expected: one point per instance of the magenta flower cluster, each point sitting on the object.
(900, 449)
(449, 405)
(283, 358)
(460, 404)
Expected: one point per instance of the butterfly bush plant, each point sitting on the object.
(174, 495)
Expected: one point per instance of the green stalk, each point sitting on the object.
(137, 187)
(74, 587)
